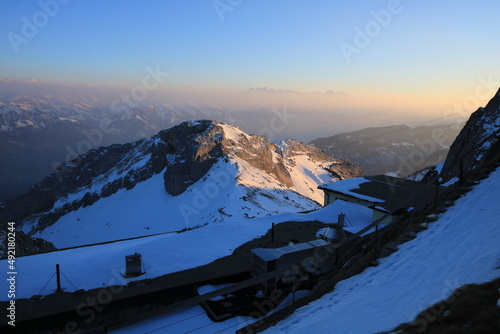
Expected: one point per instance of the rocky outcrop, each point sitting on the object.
(477, 141)
(343, 169)
(24, 244)
(194, 148)
(338, 168)
(257, 151)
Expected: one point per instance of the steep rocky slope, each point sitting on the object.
(477, 141)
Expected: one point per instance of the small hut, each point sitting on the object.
(133, 265)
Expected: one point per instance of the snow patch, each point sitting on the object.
(460, 248)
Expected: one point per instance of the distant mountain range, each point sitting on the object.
(396, 150)
(38, 133)
(31, 141)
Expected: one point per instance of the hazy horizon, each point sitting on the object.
(331, 113)
(377, 62)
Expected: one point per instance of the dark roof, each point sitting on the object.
(385, 192)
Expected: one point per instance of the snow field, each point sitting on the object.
(231, 190)
(461, 247)
(102, 265)
(148, 209)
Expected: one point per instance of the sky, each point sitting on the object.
(415, 57)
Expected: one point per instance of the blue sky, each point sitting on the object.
(429, 52)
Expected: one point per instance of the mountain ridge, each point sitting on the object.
(198, 162)
(396, 150)
(476, 142)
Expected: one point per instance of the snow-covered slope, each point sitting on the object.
(91, 267)
(460, 248)
(148, 208)
(189, 176)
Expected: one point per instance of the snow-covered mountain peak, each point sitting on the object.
(190, 175)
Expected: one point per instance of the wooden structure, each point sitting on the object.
(133, 265)
(315, 257)
(381, 194)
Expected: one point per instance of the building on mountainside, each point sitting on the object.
(367, 199)
(296, 263)
(381, 194)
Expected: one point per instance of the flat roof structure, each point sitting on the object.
(383, 192)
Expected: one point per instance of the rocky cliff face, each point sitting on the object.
(339, 168)
(477, 141)
(184, 154)
(24, 245)
(196, 146)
